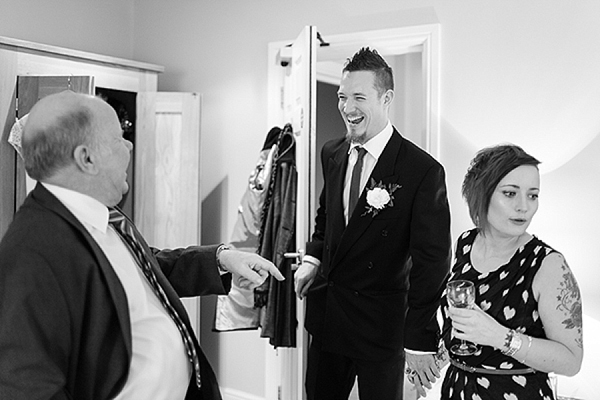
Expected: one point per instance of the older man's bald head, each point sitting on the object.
(49, 109)
(56, 125)
(76, 141)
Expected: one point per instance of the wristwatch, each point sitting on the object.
(221, 248)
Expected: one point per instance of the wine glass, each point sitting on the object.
(461, 294)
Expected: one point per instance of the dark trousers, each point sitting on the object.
(331, 376)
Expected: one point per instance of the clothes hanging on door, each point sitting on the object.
(16, 132)
(266, 225)
(277, 299)
(236, 310)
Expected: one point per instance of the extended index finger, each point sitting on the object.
(273, 270)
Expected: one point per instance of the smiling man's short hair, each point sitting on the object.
(369, 60)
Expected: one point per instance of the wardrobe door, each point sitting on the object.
(167, 173)
(30, 89)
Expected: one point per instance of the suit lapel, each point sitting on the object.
(115, 288)
(384, 171)
(386, 167)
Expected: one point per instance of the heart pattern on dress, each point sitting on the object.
(506, 365)
(509, 312)
(520, 379)
(483, 289)
(483, 381)
(501, 293)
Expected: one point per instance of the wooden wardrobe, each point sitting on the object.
(165, 197)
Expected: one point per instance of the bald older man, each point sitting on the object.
(87, 309)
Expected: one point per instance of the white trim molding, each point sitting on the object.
(233, 394)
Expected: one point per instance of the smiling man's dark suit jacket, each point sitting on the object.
(381, 277)
(64, 322)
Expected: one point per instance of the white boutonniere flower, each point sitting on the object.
(380, 196)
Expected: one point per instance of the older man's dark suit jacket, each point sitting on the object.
(381, 277)
(64, 322)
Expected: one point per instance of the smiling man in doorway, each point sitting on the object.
(378, 260)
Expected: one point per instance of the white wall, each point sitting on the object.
(519, 71)
(103, 27)
(525, 72)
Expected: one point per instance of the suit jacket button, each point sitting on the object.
(370, 266)
(384, 233)
(356, 294)
(330, 284)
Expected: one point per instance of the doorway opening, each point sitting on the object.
(413, 48)
(406, 113)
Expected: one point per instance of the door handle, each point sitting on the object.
(298, 256)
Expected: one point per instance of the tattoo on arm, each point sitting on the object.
(569, 301)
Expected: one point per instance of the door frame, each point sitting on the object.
(423, 39)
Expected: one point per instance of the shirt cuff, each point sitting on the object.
(418, 352)
(222, 271)
(311, 260)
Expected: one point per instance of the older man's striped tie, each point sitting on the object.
(133, 239)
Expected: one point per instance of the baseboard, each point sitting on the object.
(232, 394)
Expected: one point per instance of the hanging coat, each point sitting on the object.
(277, 237)
(236, 311)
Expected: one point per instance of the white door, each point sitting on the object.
(292, 98)
(292, 75)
